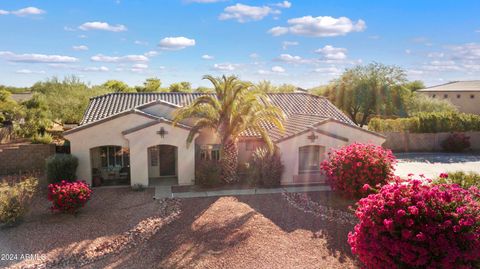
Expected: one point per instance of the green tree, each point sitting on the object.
(234, 109)
(180, 87)
(204, 90)
(419, 103)
(365, 91)
(414, 85)
(67, 99)
(266, 86)
(10, 111)
(37, 116)
(150, 85)
(286, 88)
(117, 86)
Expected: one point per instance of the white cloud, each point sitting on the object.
(204, 1)
(176, 43)
(224, 67)
(290, 58)
(4, 12)
(284, 4)
(468, 51)
(96, 25)
(140, 66)
(278, 69)
(28, 71)
(322, 26)
(408, 51)
(254, 55)
(278, 30)
(286, 44)
(82, 36)
(331, 70)
(435, 55)
(36, 58)
(28, 11)
(151, 53)
(441, 66)
(119, 59)
(330, 52)
(207, 57)
(141, 43)
(244, 13)
(80, 47)
(96, 69)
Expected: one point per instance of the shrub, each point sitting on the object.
(15, 199)
(265, 168)
(61, 167)
(456, 142)
(408, 224)
(464, 180)
(349, 168)
(207, 173)
(433, 122)
(46, 138)
(68, 197)
(138, 187)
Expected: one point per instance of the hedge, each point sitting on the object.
(428, 123)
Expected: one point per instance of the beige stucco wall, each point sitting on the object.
(103, 134)
(289, 152)
(464, 103)
(142, 139)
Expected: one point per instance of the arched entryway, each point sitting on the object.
(163, 165)
(110, 165)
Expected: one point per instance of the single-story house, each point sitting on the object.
(129, 138)
(465, 95)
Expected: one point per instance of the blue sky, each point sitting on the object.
(306, 43)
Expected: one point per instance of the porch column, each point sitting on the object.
(138, 164)
(186, 164)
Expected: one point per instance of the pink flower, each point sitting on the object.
(388, 223)
(413, 210)
(443, 175)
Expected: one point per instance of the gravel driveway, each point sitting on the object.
(432, 164)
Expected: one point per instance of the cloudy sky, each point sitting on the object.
(306, 43)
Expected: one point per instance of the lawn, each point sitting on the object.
(120, 228)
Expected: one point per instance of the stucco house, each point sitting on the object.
(465, 95)
(128, 138)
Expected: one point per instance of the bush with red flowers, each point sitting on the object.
(413, 224)
(456, 142)
(68, 197)
(349, 168)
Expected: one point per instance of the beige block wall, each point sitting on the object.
(460, 99)
(25, 158)
(103, 134)
(412, 142)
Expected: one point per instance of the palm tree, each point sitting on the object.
(235, 107)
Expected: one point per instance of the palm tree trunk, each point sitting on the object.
(229, 161)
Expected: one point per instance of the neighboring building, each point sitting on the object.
(129, 138)
(465, 95)
(22, 96)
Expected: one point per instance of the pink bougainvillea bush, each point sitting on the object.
(68, 197)
(349, 168)
(410, 224)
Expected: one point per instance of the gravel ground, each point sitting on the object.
(258, 231)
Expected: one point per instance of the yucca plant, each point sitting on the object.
(235, 107)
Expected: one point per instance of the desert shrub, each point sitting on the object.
(349, 168)
(456, 142)
(421, 103)
(68, 197)
(15, 199)
(409, 224)
(464, 180)
(265, 168)
(46, 138)
(433, 122)
(207, 173)
(61, 167)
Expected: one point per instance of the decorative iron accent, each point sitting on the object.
(162, 132)
(312, 137)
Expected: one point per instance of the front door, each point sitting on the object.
(162, 161)
(168, 157)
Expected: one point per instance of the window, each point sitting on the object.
(445, 96)
(458, 96)
(309, 158)
(154, 156)
(472, 96)
(210, 152)
(114, 156)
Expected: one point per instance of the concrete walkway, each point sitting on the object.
(166, 191)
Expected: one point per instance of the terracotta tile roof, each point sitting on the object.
(454, 86)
